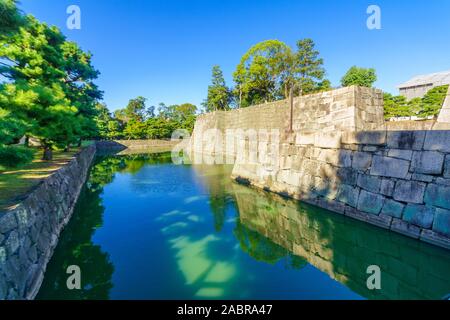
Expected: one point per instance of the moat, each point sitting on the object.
(144, 228)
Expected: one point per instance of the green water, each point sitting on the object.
(144, 228)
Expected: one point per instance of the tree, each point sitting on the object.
(262, 72)
(308, 71)
(360, 77)
(219, 96)
(433, 101)
(49, 84)
(10, 18)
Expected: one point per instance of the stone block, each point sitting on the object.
(405, 228)
(369, 183)
(12, 243)
(443, 181)
(8, 222)
(382, 221)
(422, 177)
(435, 238)
(437, 141)
(371, 137)
(361, 160)
(407, 140)
(389, 167)
(305, 139)
(330, 140)
(348, 195)
(387, 187)
(370, 202)
(447, 167)
(441, 222)
(438, 195)
(409, 191)
(427, 162)
(331, 205)
(347, 176)
(355, 214)
(419, 215)
(401, 154)
(393, 208)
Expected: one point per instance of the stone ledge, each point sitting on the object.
(435, 239)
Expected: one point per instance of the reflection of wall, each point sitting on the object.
(398, 180)
(344, 248)
(29, 232)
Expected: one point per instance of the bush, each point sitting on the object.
(15, 156)
(429, 105)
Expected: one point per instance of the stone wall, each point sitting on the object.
(397, 180)
(29, 232)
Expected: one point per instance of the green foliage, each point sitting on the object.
(15, 156)
(137, 121)
(359, 77)
(433, 101)
(219, 95)
(429, 105)
(308, 68)
(260, 74)
(48, 86)
(10, 17)
(270, 68)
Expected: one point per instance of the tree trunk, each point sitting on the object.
(48, 154)
(67, 149)
(79, 143)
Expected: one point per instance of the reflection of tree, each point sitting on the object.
(75, 247)
(263, 249)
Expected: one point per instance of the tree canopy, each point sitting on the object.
(270, 69)
(49, 82)
(360, 77)
(219, 95)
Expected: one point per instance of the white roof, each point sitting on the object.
(439, 78)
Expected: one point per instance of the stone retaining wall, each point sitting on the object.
(398, 180)
(29, 232)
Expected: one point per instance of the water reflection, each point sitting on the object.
(344, 248)
(146, 229)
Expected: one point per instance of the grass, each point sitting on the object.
(15, 183)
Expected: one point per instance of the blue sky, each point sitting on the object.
(164, 50)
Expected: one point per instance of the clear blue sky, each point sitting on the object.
(164, 50)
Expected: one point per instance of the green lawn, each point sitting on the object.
(15, 183)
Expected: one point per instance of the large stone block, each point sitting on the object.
(387, 187)
(447, 167)
(347, 176)
(8, 222)
(361, 160)
(389, 167)
(408, 140)
(409, 191)
(427, 162)
(371, 137)
(441, 222)
(401, 154)
(370, 202)
(419, 215)
(437, 141)
(331, 140)
(369, 183)
(393, 208)
(438, 195)
(348, 195)
(405, 228)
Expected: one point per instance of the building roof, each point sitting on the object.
(439, 78)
